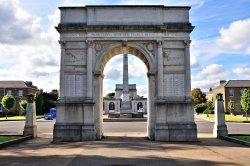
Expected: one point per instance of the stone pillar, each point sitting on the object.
(30, 127)
(125, 93)
(98, 113)
(62, 88)
(89, 70)
(151, 107)
(187, 70)
(220, 127)
(160, 70)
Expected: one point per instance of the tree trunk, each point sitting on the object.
(6, 114)
(246, 116)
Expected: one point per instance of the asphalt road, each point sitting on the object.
(45, 127)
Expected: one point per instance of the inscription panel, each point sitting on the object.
(174, 84)
(173, 57)
(69, 85)
(75, 57)
(124, 35)
(75, 85)
(75, 69)
(173, 69)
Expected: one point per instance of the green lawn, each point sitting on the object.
(243, 138)
(7, 138)
(230, 118)
(17, 118)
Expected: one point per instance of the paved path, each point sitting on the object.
(121, 128)
(125, 151)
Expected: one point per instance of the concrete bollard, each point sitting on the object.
(30, 127)
(220, 127)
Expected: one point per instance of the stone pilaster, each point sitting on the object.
(89, 70)
(160, 70)
(62, 86)
(187, 69)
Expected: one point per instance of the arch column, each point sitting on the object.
(89, 70)
(98, 108)
(151, 106)
(187, 70)
(160, 70)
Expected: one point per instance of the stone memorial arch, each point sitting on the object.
(90, 36)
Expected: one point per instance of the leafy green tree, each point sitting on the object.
(230, 106)
(245, 101)
(110, 95)
(198, 96)
(8, 102)
(23, 105)
(39, 103)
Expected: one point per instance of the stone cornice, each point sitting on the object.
(174, 27)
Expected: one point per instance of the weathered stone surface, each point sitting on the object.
(220, 127)
(158, 35)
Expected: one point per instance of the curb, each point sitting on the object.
(15, 141)
(235, 140)
(124, 119)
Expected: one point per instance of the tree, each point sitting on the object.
(8, 103)
(230, 106)
(23, 105)
(245, 101)
(39, 103)
(110, 95)
(198, 96)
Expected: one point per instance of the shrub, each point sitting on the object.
(200, 108)
(208, 111)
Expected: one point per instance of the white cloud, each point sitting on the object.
(236, 36)
(27, 51)
(193, 62)
(242, 72)
(209, 76)
(142, 90)
(137, 69)
(112, 74)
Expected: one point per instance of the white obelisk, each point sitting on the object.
(126, 104)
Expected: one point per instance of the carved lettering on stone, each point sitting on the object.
(179, 85)
(174, 84)
(69, 81)
(75, 85)
(75, 57)
(168, 80)
(75, 69)
(175, 57)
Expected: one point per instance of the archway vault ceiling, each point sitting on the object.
(124, 50)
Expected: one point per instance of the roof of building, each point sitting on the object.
(234, 84)
(16, 84)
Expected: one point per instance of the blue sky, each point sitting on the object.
(220, 47)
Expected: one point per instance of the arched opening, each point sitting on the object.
(117, 53)
(111, 106)
(139, 105)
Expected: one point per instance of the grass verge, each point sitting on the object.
(5, 138)
(230, 118)
(242, 138)
(18, 118)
